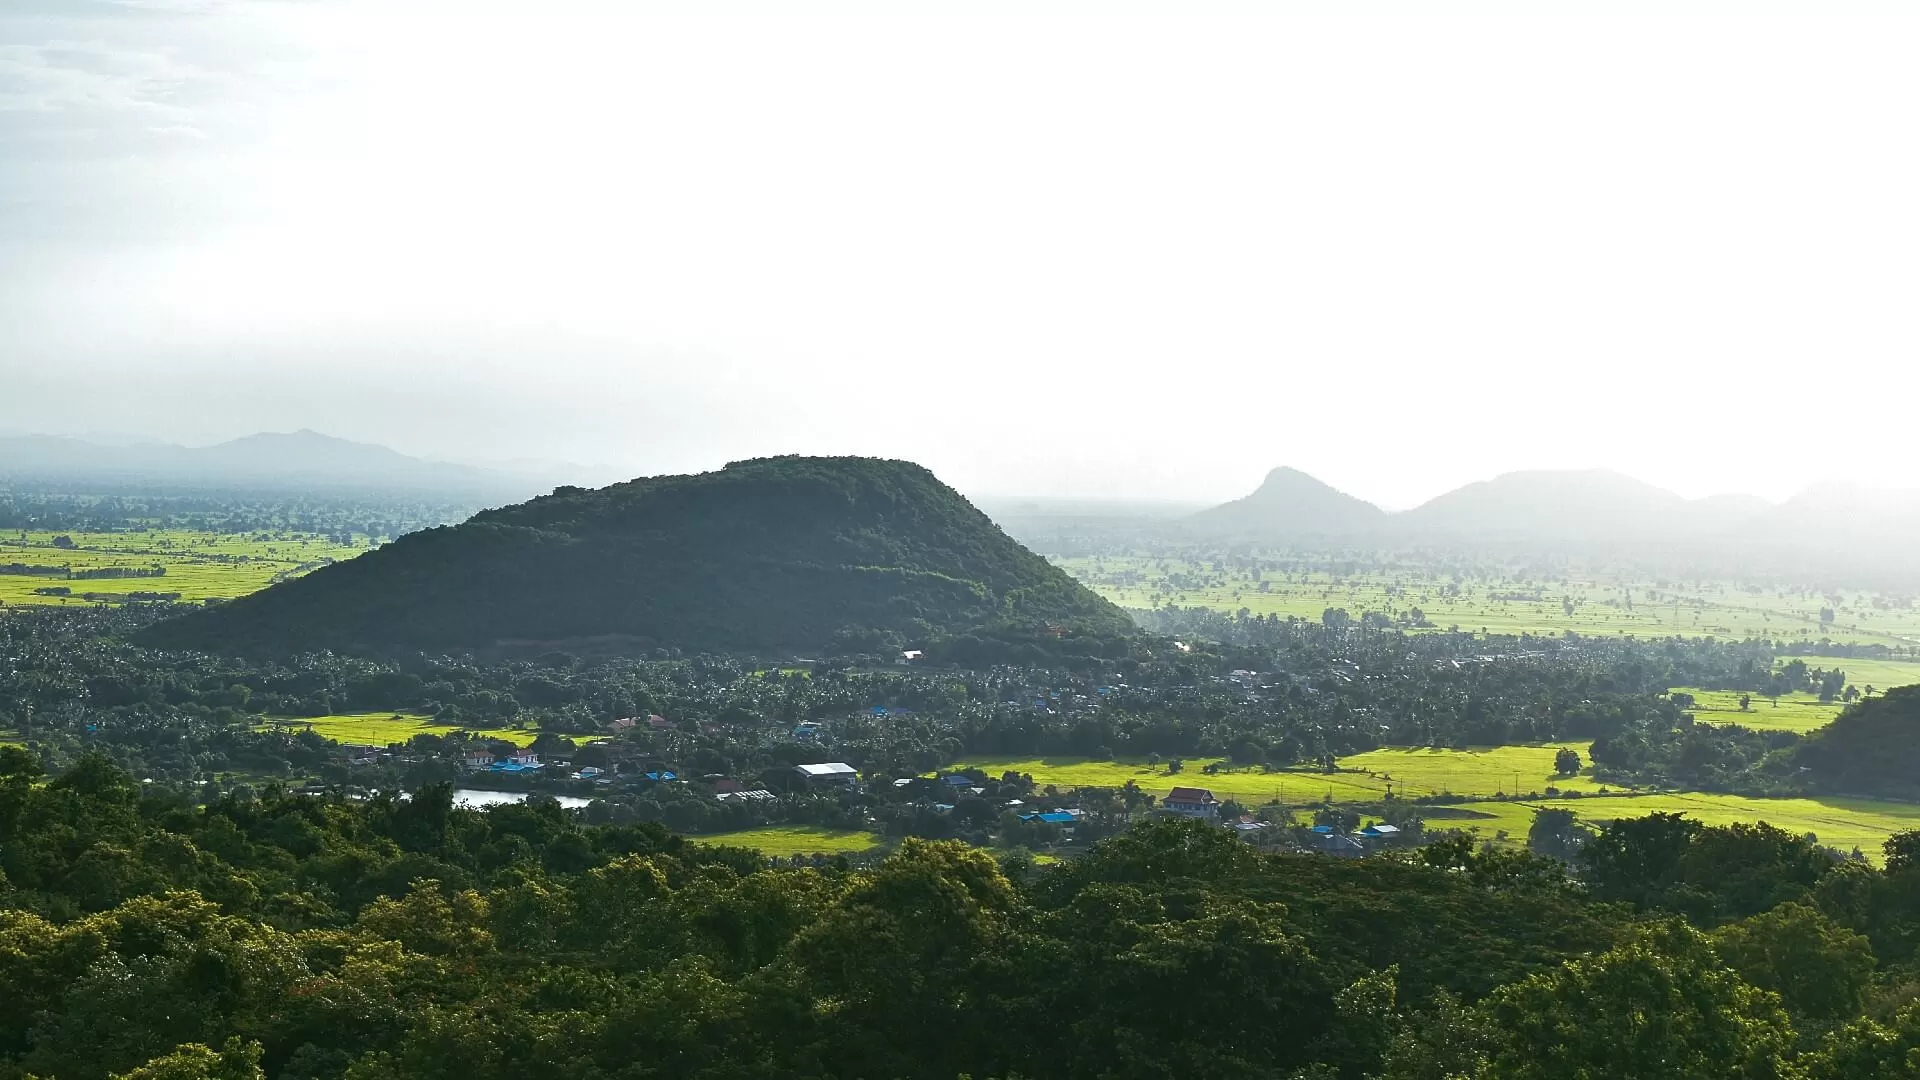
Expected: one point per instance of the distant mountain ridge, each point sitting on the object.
(294, 459)
(1541, 505)
(774, 555)
(1595, 504)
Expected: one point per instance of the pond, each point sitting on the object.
(477, 798)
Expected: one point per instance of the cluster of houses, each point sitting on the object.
(1330, 841)
(520, 761)
(942, 793)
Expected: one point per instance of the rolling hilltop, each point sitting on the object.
(775, 554)
(1290, 503)
(1573, 504)
(298, 460)
(1591, 504)
(1831, 530)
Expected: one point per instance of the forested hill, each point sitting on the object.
(775, 554)
(1871, 749)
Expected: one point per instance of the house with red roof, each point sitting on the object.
(1191, 802)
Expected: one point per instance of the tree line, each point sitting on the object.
(312, 939)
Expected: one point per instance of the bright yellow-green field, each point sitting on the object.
(1840, 823)
(1362, 777)
(1879, 674)
(1248, 786)
(1506, 605)
(1483, 771)
(385, 729)
(1796, 712)
(788, 840)
(199, 565)
(1802, 712)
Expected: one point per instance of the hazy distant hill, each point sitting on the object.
(1823, 510)
(774, 554)
(1289, 503)
(298, 459)
(1548, 506)
(1586, 504)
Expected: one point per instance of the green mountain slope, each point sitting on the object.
(1873, 748)
(773, 554)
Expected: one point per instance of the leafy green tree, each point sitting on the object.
(236, 1060)
(432, 921)
(1556, 833)
(1660, 1005)
(1866, 1050)
(1673, 863)
(1820, 969)
(1447, 1041)
(1902, 850)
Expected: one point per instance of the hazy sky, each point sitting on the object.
(1041, 248)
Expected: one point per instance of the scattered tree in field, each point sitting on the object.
(1556, 834)
(1566, 762)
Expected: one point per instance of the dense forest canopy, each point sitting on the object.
(314, 939)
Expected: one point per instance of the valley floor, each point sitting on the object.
(1509, 600)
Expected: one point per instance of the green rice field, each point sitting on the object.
(1361, 777)
(1798, 713)
(385, 729)
(1476, 775)
(1879, 674)
(1507, 602)
(1838, 822)
(197, 565)
(1801, 712)
(789, 840)
(1484, 771)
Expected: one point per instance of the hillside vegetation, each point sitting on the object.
(1870, 749)
(774, 554)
